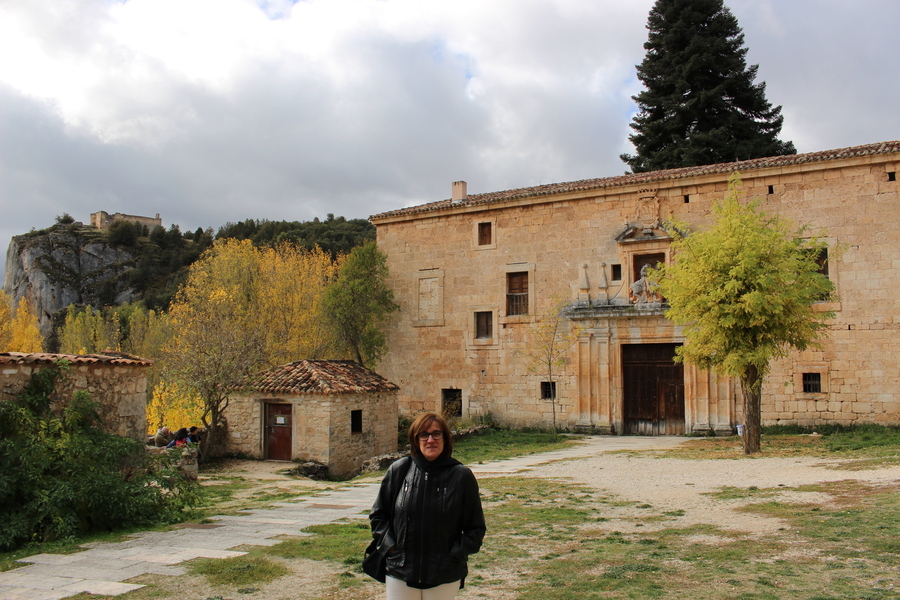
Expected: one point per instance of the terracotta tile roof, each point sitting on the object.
(111, 358)
(648, 178)
(325, 377)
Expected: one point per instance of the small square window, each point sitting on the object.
(484, 325)
(771, 189)
(617, 272)
(812, 383)
(356, 421)
(548, 390)
(485, 234)
(687, 199)
(892, 175)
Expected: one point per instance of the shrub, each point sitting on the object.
(124, 233)
(62, 476)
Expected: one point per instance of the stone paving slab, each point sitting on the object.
(104, 567)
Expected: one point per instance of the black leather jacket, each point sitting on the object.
(428, 519)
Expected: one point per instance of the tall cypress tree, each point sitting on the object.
(700, 105)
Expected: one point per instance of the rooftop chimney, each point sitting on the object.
(458, 193)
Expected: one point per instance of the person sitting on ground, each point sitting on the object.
(194, 434)
(194, 438)
(181, 439)
(163, 437)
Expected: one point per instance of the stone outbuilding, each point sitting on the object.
(335, 412)
(117, 381)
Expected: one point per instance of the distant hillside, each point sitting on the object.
(70, 263)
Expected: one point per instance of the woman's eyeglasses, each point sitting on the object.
(437, 435)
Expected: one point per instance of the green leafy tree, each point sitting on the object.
(62, 476)
(124, 233)
(700, 105)
(358, 304)
(744, 290)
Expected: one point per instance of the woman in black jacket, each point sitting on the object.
(427, 518)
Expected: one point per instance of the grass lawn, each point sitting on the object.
(554, 540)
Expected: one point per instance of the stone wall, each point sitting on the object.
(572, 243)
(121, 391)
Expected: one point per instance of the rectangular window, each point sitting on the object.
(355, 421)
(484, 325)
(617, 272)
(516, 294)
(485, 231)
(822, 262)
(812, 383)
(651, 260)
(822, 259)
(451, 403)
(548, 390)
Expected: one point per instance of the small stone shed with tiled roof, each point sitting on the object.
(335, 412)
(117, 381)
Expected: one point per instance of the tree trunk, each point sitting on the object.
(751, 386)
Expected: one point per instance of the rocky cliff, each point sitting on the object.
(66, 265)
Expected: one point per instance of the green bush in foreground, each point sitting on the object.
(62, 476)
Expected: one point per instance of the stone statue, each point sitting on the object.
(642, 291)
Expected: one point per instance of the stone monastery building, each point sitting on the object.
(473, 275)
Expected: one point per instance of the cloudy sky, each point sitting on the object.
(209, 111)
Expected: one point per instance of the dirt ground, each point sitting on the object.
(674, 486)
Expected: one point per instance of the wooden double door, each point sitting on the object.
(653, 390)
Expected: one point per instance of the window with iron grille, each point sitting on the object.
(484, 325)
(516, 294)
(485, 234)
(548, 390)
(812, 383)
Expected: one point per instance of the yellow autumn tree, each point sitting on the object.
(292, 281)
(174, 406)
(87, 331)
(6, 316)
(19, 327)
(242, 309)
(216, 342)
(144, 331)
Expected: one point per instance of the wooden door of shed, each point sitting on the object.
(653, 390)
(279, 428)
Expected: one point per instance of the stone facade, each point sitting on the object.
(474, 274)
(332, 412)
(102, 219)
(117, 382)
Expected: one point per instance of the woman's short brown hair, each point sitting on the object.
(423, 423)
